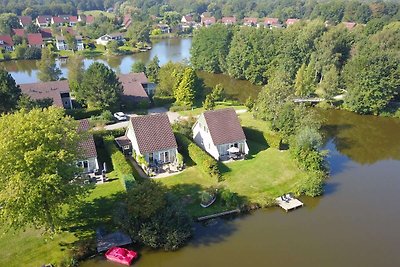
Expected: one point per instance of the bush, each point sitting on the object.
(205, 162)
(33, 53)
(313, 186)
(82, 113)
(230, 199)
(107, 115)
(161, 101)
(123, 168)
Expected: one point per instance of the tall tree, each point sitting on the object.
(329, 86)
(152, 69)
(48, 71)
(305, 80)
(138, 66)
(70, 41)
(8, 21)
(100, 87)
(9, 92)
(186, 90)
(36, 178)
(168, 78)
(76, 69)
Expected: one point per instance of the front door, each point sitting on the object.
(166, 155)
(151, 158)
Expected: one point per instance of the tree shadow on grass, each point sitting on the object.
(256, 141)
(85, 218)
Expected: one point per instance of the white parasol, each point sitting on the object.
(233, 150)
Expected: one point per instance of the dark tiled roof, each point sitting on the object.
(35, 39)
(224, 126)
(58, 20)
(46, 33)
(43, 19)
(6, 40)
(153, 133)
(132, 84)
(86, 145)
(45, 90)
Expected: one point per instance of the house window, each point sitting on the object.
(236, 145)
(151, 157)
(166, 154)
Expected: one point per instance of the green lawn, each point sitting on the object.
(97, 13)
(30, 248)
(266, 174)
(219, 105)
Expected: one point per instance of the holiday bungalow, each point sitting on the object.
(250, 22)
(6, 43)
(290, 22)
(61, 43)
(105, 39)
(220, 134)
(43, 21)
(87, 148)
(25, 21)
(152, 138)
(137, 87)
(35, 40)
(19, 32)
(207, 21)
(87, 19)
(56, 92)
(228, 20)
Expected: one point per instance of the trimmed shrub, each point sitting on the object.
(161, 101)
(119, 162)
(82, 113)
(205, 162)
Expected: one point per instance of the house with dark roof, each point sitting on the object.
(137, 87)
(46, 33)
(219, 133)
(152, 138)
(56, 91)
(43, 21)
(87, 149)
(25, 20)
(6, 43)
(35, 40)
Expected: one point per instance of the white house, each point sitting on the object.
(61, 44)
(87, 149)
(219, 133)
(151, 136)
(103, 40)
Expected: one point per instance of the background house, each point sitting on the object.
(250, 21)
(137, 87)
(87, 149)
(25, 20)
(43, 21)
(105, 39)
(228, 20)
(57, 91)
(35, 40)
(151, 136)
(218, 130)
(6, 43)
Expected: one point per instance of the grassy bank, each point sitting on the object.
(266, 174)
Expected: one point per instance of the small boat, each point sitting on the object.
(121, 255)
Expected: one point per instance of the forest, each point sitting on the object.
(309, 59)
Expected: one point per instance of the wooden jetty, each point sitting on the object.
(291, 203)
(212, 216)
(308, 100)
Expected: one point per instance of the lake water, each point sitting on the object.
(355, 223)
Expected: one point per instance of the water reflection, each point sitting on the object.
(364, 139)
(25, 71)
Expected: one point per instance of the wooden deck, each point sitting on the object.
(212, 216)
(289, 205)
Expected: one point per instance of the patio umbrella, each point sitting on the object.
(104, 167)
(233, 150)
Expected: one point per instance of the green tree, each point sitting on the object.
(113, 47)
(305, 80)
(329, 85)
(33, 53)
(76, 71)
(48, 71)
(138, 66)
(37, 176)
(100, 87)
(154, 217)
(70, 41)
(139, 31)
(152, 69)
(168, 77)
(186, 90)
(9, 92)
(33, 28)
(8, 21)
(372, 79)
(209, 102)
(20, 51)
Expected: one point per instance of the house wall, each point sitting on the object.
(131, 135)
(242, 145)
(160, 156)
(89, 165)
(202, 137)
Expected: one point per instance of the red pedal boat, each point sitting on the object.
(121, 255)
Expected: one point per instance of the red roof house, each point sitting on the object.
(207, 21)
(25, 20)
(46, 33)
(134, 85)
(43, 21)
(291, 21)
(6, 42)
(35, 39)
(250, 21)
(271, 21)
(349, 25)
(19, 32)
(87, 148)
(228, 20)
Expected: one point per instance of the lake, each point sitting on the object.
(355, 223)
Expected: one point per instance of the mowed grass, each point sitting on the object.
(266, 174)
(31, 248)
(219, 105)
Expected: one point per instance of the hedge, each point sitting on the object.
(123, 168)
(205, 162)
(83, 113)
(161, 101)
(273, 140)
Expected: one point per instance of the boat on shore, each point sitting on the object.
(121, 255)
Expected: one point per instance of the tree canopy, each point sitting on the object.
(9, 92)
(48, 70)
(38, 159)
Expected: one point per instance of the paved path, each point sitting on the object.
(138, 168)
